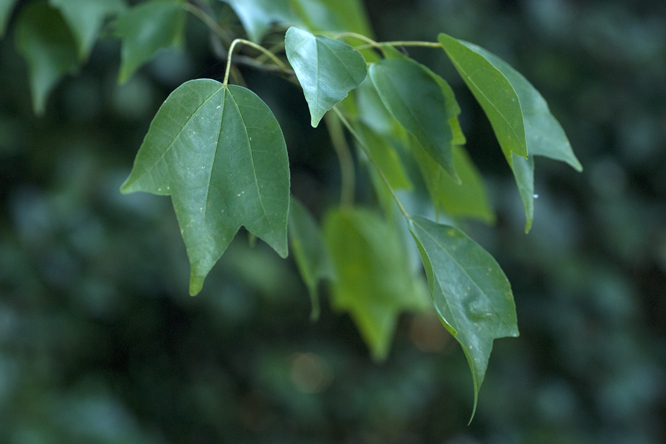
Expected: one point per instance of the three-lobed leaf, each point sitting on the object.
(219, 152)
(46, 43)
(85, 19)
(327, 69)
(374, 281)
(470, 292)
(310, 252)
(146, 28)
(416, 100)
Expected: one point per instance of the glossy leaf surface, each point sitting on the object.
(309, 250)
(470, 292)
(145, 29)
(415, 99)
(6, 7)
(374, 282)
(258, 16)
(327, 69)
(44, 40)
(85, 19)
(465, 199)
(221, 156)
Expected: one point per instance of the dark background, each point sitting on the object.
(100, 343)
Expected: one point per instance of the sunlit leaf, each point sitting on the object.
(470, 292)
(465, 199)
(44, 40)
(145, 29)
(85, 19)
(327, 69)
(333, 16)
(6, 7)
(374, 281)
(417, 102)
(309, 250)
(220, 154)
(258, 16)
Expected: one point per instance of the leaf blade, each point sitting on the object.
(310, 252)
(327, 69)
(146, 28)
(85, 19)
(374, 282)
(416, 100)
(220, 154)
(471, 293)
(45, 42)
(494, 93)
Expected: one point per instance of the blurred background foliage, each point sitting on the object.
(100, 343)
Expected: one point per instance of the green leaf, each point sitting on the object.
(333, 16)
(327, 69)
(519, 115)
(6, 7)
(493, 92)
(470, 292)
(85, 18)
(416, 100)
(523, 172)
(219, 152)
(145, 29)
(258, 16)
(310, 252)
(544, 134)
(44, 40)
(465, 199)
(385, 157)
(374, 281)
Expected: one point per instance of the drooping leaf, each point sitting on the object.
(523, 172)
(310, 252)
(374, 281)
(544, 134)
(416, 100)
(85, 19)
(257, 16)
(465, 199)
(470, 292)
(493, 92)
(44, 40)
(519, 127)
(146, 28)
(6, 7)
(327, 69)
(333, 16)
(219, 152)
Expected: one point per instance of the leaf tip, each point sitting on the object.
(196, 284)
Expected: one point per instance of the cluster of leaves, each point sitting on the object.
(219, 152)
